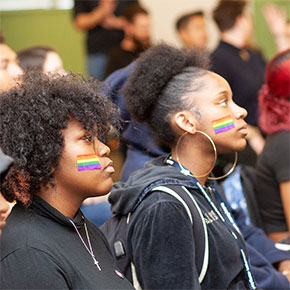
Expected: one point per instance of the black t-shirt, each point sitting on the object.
(100, 39)
(40, 249)
(245, 75)
(119, 58)
(273, 167)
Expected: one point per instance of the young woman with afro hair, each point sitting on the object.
(190, 109)
(273, 166)
(53, 128)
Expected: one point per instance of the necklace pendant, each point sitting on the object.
(96, 263)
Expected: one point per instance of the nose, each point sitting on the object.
(102, 149)
(15, 70)
(240, 113)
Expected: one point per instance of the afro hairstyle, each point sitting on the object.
(33, 115)
(156, 87)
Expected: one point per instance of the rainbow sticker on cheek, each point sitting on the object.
(223, 124)
(88, 162)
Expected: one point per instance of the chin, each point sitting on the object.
(242, 146)
(232, 149)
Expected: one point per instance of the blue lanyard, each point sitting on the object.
(183, 170)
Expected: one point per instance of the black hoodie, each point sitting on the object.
(160, 235)
(40, 249)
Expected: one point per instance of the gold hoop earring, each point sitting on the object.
(215, 158)
(229, 172)
(214, 150)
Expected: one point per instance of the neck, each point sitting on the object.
(234, 38)
(67, 204)
(197, 161)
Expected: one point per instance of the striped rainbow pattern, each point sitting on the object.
(223, 124)
(88, 162)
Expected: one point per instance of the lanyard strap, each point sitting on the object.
(183, 170)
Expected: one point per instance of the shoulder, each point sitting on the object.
(277, 144)
(159, 206)
(280, 136)
(31, 268)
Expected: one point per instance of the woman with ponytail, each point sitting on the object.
(191, 111)
(273, 166)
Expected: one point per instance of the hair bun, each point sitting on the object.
(153, 70)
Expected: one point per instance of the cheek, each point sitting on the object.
(223, 124)
(68, 163)
(6, 81)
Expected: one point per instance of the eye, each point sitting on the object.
(223, 102)
(88, 138)
(4, 65)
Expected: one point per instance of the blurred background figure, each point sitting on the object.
(5, 163)
(9, 68)
(192, 30)
(42, 58)
(102, 21)
(278, 24)
(273, 166)
(136, 39)
(243, 67)
(9, 73)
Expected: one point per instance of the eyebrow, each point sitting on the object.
(223, 93)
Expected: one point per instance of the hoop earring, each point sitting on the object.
(215, 158)
(229, 172)
(214, 150)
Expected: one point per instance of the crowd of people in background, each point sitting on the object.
(187, 118)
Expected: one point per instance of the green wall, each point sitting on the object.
(262, 33)
(46, 27)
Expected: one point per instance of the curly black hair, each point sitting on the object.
(157, 86)
(32, 116)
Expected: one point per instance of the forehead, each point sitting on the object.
(6, 53)
(141, 18)
(52, 57)
(213, 86)
(197, 19)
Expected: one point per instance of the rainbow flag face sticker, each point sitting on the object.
(223, 124)
(88, 162)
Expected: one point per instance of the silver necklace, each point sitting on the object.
(90, 249)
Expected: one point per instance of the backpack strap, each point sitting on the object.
(191, 206)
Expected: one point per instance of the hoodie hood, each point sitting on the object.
(124, 195)
(5, 163)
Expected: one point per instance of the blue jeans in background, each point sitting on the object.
(97, 65)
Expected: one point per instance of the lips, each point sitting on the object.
(109, 167)
(244, 129)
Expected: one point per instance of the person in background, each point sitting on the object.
(135, 41)
(192, 30)
(10, 71)
(5, 163)
(104, 24)
(241, 66)
(273, 165)
(53, 130)
(278, 24)
(42, 58)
